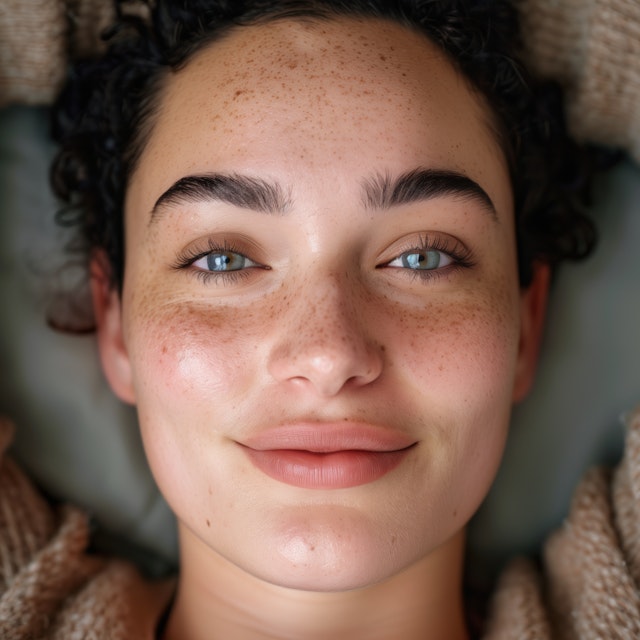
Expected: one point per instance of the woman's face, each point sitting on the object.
(321, 322)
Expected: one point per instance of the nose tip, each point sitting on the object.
(326, 351)
(328, 370)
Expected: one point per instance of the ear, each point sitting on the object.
(533, 307)
(107, 308)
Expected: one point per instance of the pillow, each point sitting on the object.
(588, 376)
(83, 445)
(74, 437)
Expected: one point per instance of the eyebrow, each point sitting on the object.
(241, 191)
(380, 192)
(383, 192)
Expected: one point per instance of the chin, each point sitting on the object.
(321, 579)
(332, 557)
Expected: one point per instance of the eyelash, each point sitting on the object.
(189, 256)
(461, 256)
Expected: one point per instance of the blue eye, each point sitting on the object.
(422, 260)
(223, 262)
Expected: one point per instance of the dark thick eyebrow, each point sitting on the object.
(384, 192)
(379, 192)
(241, 191)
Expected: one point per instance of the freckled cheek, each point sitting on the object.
(196, 354)
(465, 348)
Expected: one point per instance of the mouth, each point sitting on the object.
(327, 456)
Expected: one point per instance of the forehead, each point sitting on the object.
(323, 94)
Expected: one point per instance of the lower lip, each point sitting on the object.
(335, 470)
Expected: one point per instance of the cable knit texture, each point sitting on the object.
(49, 586)
(589, 588)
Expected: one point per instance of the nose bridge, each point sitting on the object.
(324, 338)
(327, 309)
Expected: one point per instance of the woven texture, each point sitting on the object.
(37, 39)
(590, 586)
(50, 587)
(592, 47)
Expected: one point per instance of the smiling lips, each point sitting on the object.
(327, 456)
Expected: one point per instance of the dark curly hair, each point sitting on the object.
(105, 113)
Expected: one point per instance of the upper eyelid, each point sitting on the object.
(195, 252)
(450, 245)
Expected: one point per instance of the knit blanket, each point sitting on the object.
(50, 587)
(589, 585)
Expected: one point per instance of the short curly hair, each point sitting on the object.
(105, 113)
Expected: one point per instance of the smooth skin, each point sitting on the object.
(335, 306)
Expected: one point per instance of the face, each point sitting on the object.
(321, 326)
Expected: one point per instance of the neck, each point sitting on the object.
(217, 600)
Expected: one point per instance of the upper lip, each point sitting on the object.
(328, 437)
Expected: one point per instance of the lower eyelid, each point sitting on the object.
(221, 277)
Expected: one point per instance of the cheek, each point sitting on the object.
(457, 367)
(183, 351)
(190, 380)
(468, 348)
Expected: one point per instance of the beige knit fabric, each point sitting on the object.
(49, 586)
(591, 583)
(37, 38)
(592, 47)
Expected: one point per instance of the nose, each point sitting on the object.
(324, 343)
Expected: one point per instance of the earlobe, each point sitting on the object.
(108, 316)
(533, 307)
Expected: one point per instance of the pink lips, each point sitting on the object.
(327, 456)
